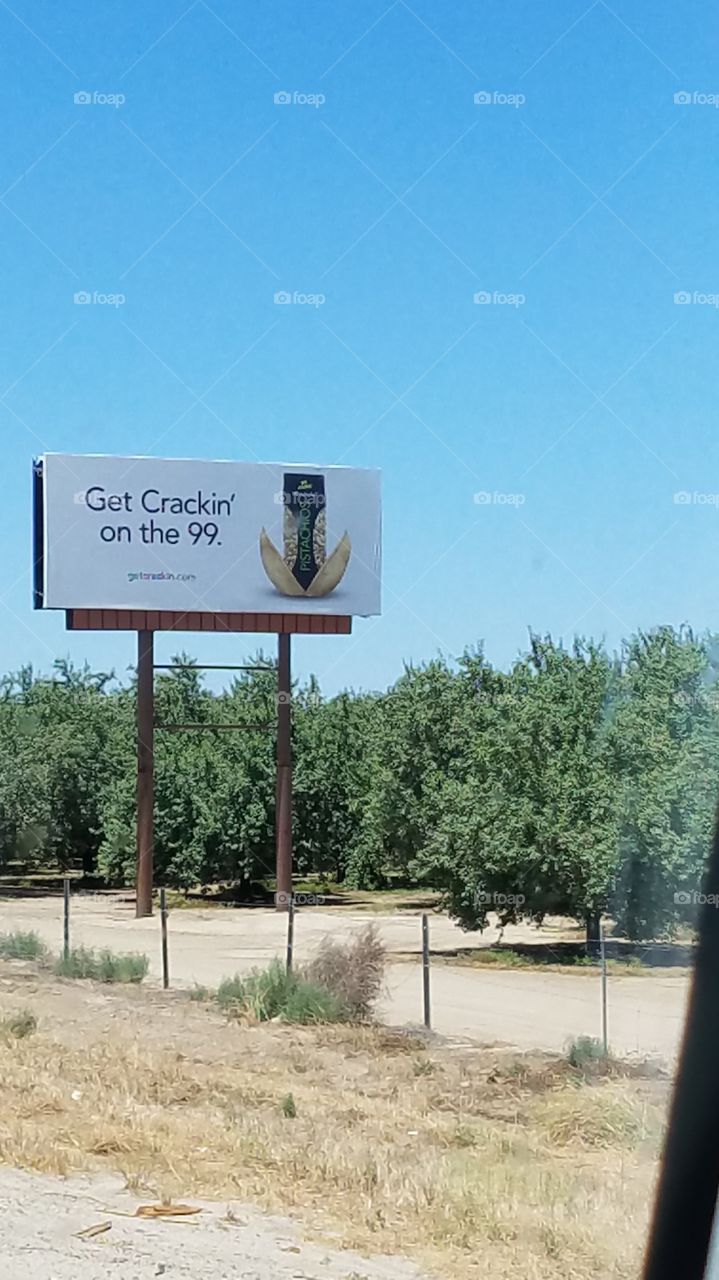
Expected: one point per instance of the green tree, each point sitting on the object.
(529, 830)
(418, 744)
(332, 776)
(666, 761)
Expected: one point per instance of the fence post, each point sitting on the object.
(290, 929)
(603, 963)
(66, 918)
(163, 927)
(425, 972)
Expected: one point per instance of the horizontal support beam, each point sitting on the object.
(188, 728)
(205, 666)
(311, 624)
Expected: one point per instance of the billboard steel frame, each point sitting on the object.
(146, 623)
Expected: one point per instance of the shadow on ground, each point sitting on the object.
(654, 955)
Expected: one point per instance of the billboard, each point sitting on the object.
(201, 536)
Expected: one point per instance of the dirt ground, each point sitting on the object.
(389, 1155)
(41, 1217)
(522, 1008)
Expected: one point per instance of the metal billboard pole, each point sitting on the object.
(145, 770)
(284, 774)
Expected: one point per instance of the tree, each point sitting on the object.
(666, 759)
(332, 778)
(417, 741)
(574, 783)
(56, 762)
(529, 830)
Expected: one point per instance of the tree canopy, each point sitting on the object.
(577, 782)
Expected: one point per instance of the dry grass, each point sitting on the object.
(479, 1164)
(353, 971)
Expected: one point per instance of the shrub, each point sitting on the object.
(79, 963)
(262, 993)
(306, 1002)
(353, 971)
(21, 946)
(18, 1025)
(129, 967)
(274, 993)
(584, 1051)
(103, 966)
(231, 993)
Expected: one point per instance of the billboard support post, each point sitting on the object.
(145, 770)
(284, 773)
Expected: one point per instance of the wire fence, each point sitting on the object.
(489, 998)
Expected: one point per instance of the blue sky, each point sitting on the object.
(531, 445)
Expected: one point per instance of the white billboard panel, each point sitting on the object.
(174, 533)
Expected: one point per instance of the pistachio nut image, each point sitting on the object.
(304, 568)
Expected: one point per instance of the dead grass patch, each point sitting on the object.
(611, 1118)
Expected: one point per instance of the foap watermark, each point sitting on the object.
(695, 98)
(483, 298)
(299, 899)
(683, 298)
(496, 98)
(485, 898)
(695, 898)
(309, 700)
(96, 299)
(95, 98)
(686, 499)
(285, 299)
(284, 499)
(690, 701)
(294, 98)
(497, 499)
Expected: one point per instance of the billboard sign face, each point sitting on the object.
(200, 536)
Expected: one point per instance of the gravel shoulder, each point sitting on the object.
(41, 1216)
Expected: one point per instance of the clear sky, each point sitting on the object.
(580, 197)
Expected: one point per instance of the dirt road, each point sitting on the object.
(519, 1007)
(41, 1216)
(545, 1010)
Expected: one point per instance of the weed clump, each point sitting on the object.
(585, 1051)
(274, 993)
(341, 984)
(22, 946)
(18, 1025)
(102, 966)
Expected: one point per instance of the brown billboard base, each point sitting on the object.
(146, 622)
(310, 624)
